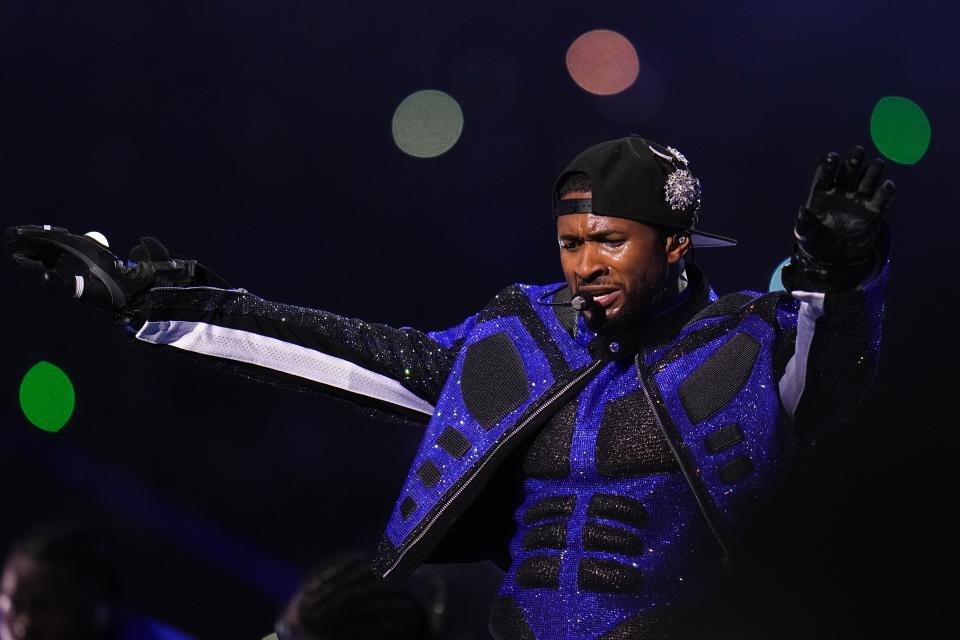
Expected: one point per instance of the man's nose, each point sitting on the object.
(591, 264)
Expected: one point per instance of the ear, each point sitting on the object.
(676, 245)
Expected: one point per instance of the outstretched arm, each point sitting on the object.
(397, 370)
(838, 276)
(169, 301)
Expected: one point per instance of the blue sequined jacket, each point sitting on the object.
(608, 475)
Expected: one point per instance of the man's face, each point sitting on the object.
(622, 263)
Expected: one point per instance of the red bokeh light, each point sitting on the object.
(603, 62)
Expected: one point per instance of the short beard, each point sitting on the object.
(642, 303)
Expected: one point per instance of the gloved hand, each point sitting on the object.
(83, 268)
(836, 231)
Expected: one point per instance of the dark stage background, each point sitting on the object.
(256, 137)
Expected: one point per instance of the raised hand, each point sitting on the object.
(836, 230)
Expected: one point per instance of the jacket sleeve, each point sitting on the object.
(829, 352)
(399, 371)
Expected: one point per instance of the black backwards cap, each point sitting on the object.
(639, 180)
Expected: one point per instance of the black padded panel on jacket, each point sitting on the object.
(603, 537)
(610, 506)
(725, 305)
(717, 381)
(608, 576)
(513, 301)
(549, 454)
(566, 315)
(493, 380)
(454, 442)
(541, 572)
(724, 438)
(507, 621)
(629, 442)
(429, 474)
(546, 536)
(735, 470)
(407, 507)
(552, 507)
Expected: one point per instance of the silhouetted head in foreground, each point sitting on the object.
(58, 584)
(343, 600)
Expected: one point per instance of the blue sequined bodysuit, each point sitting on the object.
(608, 532)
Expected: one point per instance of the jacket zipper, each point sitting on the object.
(473, 474)
(688, 473)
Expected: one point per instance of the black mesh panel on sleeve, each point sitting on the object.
(408, 356)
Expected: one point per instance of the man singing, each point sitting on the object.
(603, 439)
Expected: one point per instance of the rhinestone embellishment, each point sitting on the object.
(682, 190)
(679, 156)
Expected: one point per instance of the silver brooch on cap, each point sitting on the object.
(682, 190)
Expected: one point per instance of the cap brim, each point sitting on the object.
(704, 240)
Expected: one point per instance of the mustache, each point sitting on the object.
(596, 283)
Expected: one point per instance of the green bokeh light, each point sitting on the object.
(776, 280)
(46, 396)
(900, 129)
(427, 123)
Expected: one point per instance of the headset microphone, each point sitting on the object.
(581, 303)
(584, 302)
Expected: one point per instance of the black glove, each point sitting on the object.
(83, 268)
(837, 230)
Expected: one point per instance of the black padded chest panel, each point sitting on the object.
(549, 455)
(629, 442)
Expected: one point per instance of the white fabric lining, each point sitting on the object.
(794, 378)
(271, 353)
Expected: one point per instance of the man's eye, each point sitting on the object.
(613, 244)
(569, 245)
